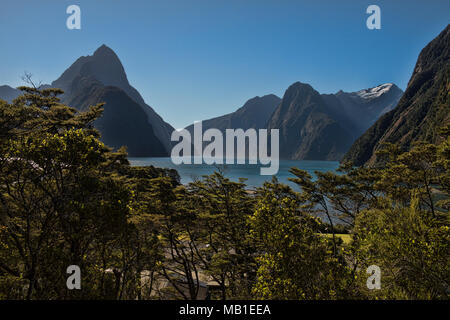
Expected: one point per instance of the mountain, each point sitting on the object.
(127, 119)
(316, 126)
(8, 94)
(364, 107)
(421, 111)
(253, 114)
(307, 128)
(312, 125)
(123, 122)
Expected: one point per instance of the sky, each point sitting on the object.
(197, 59)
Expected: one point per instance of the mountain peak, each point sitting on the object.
(257, 99)
(300, 85)
(104, 69)
(104, 50)
(104, 65)
(376, 92)
(299, 90)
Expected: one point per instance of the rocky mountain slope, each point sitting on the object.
(316, 126)
(127, 119)
(312, 126)
(421, 111)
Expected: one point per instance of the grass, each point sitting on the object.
(346, 238)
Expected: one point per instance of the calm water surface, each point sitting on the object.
(189, 172)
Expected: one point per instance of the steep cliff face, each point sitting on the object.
(312, 126)
(127, 119)
(307, 129)
(421, 111)
(123, 122)
(316, 126)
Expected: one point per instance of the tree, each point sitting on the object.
(58, 195)
(405, 232)
(221, 232)
(295, 261)
(409, 246)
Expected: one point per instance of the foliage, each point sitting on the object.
(136, 233)
(295, 262)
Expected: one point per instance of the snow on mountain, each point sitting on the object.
(375, 92)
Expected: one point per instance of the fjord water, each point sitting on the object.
(190, 172)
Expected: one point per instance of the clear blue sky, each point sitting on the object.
(193, 60)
